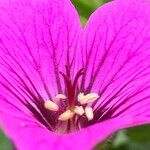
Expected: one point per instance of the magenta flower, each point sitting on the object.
(67, 87)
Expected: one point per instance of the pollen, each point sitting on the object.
(51, 105)
(88, 98)
(60, 96)
(89, 113)
(79, 110)
(75, 110)
(66, 115)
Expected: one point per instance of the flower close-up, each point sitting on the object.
(68, 87)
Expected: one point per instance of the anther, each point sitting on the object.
(66, 115)
(84, 99)
(60, 96)
(79, 110)
(51, 105)
(89, 113)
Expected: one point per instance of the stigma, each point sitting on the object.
(80, 109)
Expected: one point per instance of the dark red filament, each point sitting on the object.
(71, 87)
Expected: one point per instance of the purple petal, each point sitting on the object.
(116, 52)
(40, 36)
(29, 135)
(37, 40)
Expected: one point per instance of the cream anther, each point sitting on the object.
(89, 113)
(84, 99)
(79, 110)
(60, 96)
(51, 105)
(66, 115)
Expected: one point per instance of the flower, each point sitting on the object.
(67, 87)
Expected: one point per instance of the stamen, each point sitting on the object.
(79, 110)
(60, 96)
(66, 115)
(84, 99)
(51, 106)
(89, 113)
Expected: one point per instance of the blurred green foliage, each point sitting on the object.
(86, 7)
(137, 138)
(4, 142)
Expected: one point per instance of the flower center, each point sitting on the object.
(72, 113)
(72, 105)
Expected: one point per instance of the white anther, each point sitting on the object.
(89, 113)
(84, 99)
(80, 96)
(60, 96)
(79, 110)
(51, 106)
(66, 115)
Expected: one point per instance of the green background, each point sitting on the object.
(137, 138)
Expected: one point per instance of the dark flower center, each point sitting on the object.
(70, 108)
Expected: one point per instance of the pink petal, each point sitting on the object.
(120, 30)
(37, 40)
(29, 135)
(116, 52)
